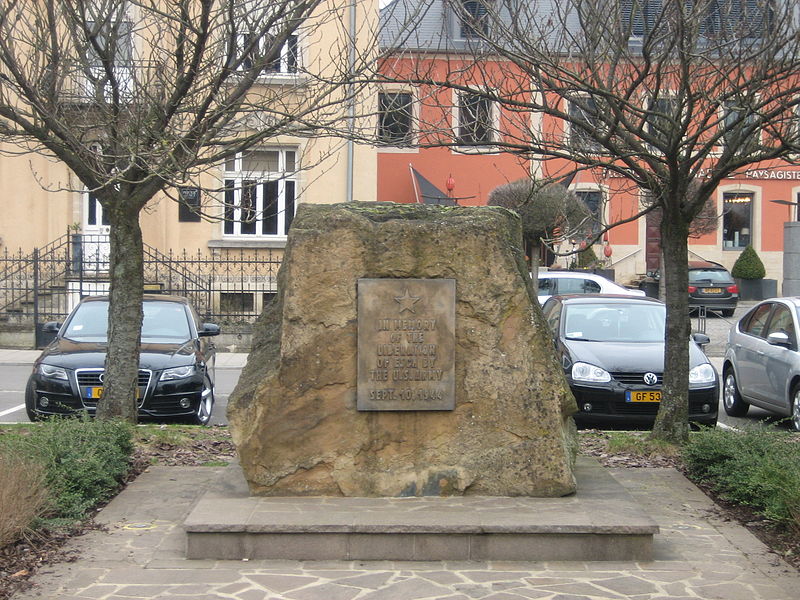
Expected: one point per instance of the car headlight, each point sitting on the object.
(177, 373)
(589, 373)
(52, 372)
(702, 374)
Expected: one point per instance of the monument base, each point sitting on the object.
(600, 522)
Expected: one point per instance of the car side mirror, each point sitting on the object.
(208, 330)
(701, 339)
(778, 338)
(51, 327)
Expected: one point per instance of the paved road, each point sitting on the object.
(15, 367)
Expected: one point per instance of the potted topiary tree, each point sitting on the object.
(749, 272)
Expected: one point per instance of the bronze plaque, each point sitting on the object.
(406, 344)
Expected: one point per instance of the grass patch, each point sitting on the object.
(759, 468)
(177, 436)
(639, 444)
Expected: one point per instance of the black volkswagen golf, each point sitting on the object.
(176, 362)
(612, 351)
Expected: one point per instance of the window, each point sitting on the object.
(475, 124)
(189, 205)
(583, 120)
(394, 118)
(781, 322)
(93, 209)
(254, 49)
(754, 322)
(662, 115)
(797, 207)
(472, 19)
(737, 210)
(593, 199)
(260, 193)
(738, 19)
(110, 42)
(639, 17)
(740, 126)
(235, 302)
(578, 286)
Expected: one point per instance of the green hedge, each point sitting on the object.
(748, 265)
(85, 461)
(759, 468)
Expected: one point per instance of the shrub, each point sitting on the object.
(748, 265)
(759, 468)
(587, 258)
(84, 461)
(23, 496)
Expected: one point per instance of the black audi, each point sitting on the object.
(612, 351)
(176, 362)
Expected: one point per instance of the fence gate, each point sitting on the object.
(225, 286)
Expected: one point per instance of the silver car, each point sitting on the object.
(762, 361)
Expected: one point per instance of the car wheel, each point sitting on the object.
(728, 312)
(203, 414)
(30, 402)
(731, 398)
(796, 408)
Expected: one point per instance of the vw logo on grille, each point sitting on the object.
(650, 378)
(102, 376)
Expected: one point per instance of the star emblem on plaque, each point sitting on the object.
(407, 301)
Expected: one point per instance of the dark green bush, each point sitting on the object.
(84, 460)
(759, 468)
(748, 265)
(587, 258)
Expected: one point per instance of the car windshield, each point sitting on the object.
(709, 275)
(615, 322)
(163, 321)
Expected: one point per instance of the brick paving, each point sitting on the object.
(141, 555)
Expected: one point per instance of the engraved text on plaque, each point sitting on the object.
(406, 344)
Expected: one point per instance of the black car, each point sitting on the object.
(176, 362)
(711, 285)
(612, 351)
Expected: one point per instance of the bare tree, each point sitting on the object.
(670, 96)
(139, 96)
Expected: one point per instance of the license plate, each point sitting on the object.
(95, 393)
(713, 290)
(643, 396)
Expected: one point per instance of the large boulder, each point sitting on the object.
(293, 414)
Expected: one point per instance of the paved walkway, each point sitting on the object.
(141, 556)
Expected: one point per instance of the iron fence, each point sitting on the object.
(226, 286)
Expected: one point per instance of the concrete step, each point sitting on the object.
(600, 522)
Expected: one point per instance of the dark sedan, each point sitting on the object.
(612, 351)
(711, 285)
(176, 362)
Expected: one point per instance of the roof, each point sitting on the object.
(704, 264)
(607, 298)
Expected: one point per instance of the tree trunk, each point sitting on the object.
(533, 251)
(672, 422)
(125, 312)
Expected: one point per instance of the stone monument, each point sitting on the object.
(404, 355)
